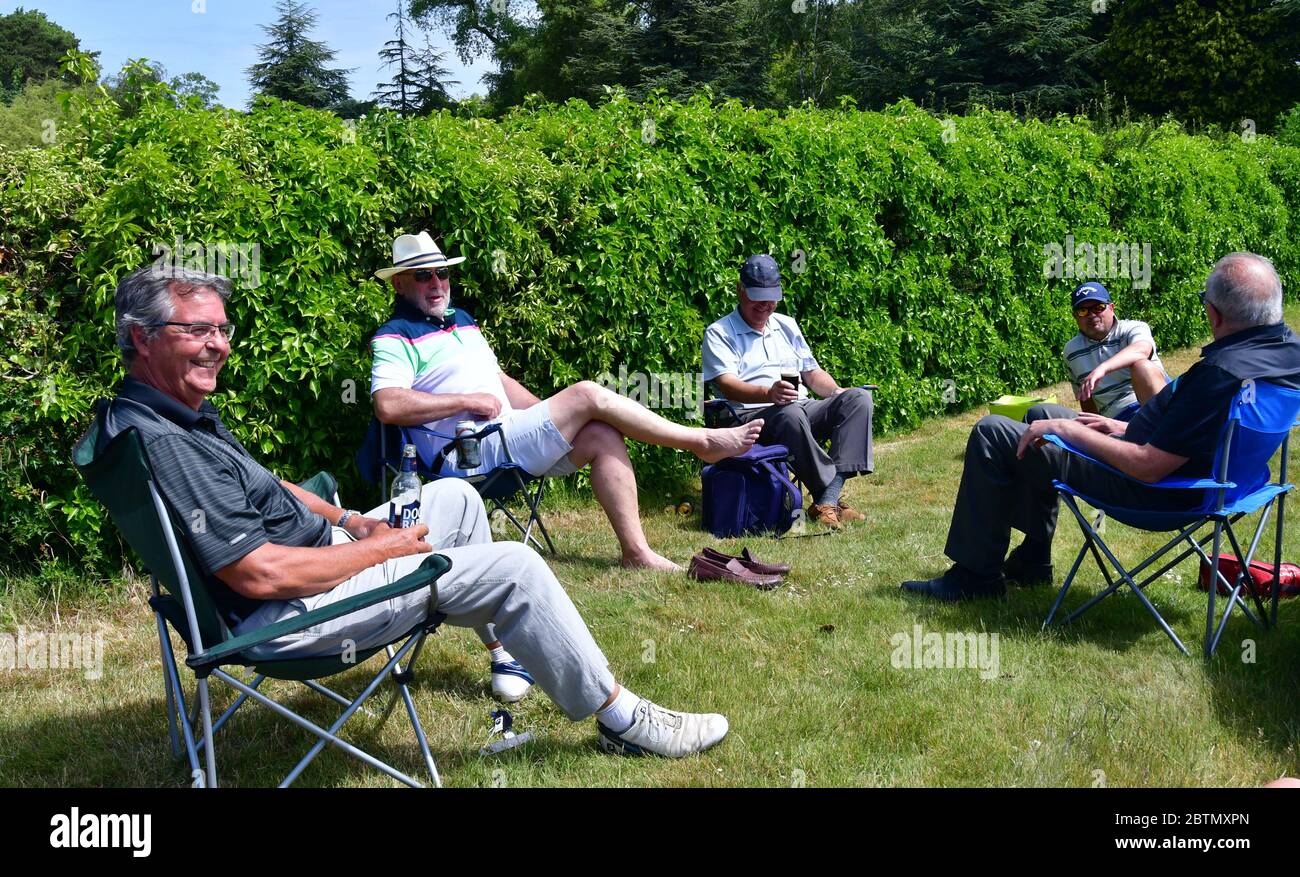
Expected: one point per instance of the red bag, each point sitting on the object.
(1261, 572)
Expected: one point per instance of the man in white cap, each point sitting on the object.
(432, 367)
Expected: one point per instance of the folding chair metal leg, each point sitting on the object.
(1277, 554)
(206, 709)
(1069, 580)
(230, 710)
(326, 736)
(1089, 533)
(164, 648)
(534, 514)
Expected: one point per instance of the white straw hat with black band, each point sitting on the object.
(412, 251)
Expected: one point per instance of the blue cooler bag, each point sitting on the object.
(751, 493)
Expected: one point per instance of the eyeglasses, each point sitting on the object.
(1096, 307)
(202, 331)
(424, 275)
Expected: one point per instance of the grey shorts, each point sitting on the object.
(534, 441)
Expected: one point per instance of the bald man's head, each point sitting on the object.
(1246, 291)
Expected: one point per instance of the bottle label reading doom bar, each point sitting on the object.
(409, 515)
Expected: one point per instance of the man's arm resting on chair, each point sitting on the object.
(1143, 462)
(403, 407)
(820, 382)
(282, 572)
(736, 390)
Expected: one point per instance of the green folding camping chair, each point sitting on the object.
(121, 479)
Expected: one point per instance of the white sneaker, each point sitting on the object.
(510, 681)
(664, 732)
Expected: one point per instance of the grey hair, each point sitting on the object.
(1245, 289)
(144, 298)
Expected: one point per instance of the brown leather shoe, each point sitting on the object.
(748, 561)
(828, 515)
(705, 570)
(848, 513)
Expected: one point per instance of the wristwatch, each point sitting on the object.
(343, 519)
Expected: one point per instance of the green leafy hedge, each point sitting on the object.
(595, 238)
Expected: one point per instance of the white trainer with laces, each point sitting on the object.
(664, 732)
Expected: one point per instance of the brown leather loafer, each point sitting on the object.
(848, 513)
(748, 561)
(828, 515)
(705, 570)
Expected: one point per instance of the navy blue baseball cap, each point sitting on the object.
(1090, 291)
(761, 278)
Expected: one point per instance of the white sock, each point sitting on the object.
(500, 655)
(620, 714)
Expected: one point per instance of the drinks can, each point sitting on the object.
(467, 450)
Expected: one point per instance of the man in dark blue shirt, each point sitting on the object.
(1008, 474)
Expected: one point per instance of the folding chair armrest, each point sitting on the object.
(426, 574)
(713, 409)
(1165, 483)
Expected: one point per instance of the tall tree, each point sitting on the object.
(30, 48)
(398, 92)
(1206, 61)
(430, 80)
(293, 67)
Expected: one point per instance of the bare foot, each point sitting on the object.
(722, 443)
(650, 560)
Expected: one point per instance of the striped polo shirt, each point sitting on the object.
(447, 354)
(1115, 392)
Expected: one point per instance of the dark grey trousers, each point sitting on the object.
(843, 419)
(999, 492)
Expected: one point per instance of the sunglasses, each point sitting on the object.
(424, 275)
(1096, 307)
(202, 331)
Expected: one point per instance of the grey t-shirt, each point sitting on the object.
(228, 503)
(1115, 392)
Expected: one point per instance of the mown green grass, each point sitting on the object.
(803, 672)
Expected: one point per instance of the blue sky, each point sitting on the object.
(221, 42)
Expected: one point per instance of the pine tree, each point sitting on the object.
(293, 66)
(398, 92)
(430, 80)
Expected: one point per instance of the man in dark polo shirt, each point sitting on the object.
(1007, 479)
(272, 551)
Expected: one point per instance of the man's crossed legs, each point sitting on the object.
(506, 592)
(999, 492)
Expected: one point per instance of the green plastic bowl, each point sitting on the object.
(1016, 406)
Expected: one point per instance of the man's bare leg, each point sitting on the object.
(614, 482)
(1148, 380)
(574, 407)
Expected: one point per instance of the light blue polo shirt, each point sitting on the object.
(732, 346)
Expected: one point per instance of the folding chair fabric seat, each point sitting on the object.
(1260, 418)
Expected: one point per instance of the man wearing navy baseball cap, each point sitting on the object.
(747, 352)
(1007, 477)
(1113, 363)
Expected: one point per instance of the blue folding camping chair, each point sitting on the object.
(380, 457)
(1260, 419)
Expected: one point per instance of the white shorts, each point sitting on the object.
(534, 441)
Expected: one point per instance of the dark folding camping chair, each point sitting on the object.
(1260, 419)
(121, 479)
(380, 456)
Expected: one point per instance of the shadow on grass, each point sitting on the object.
(127, 745)
(1260, 700)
